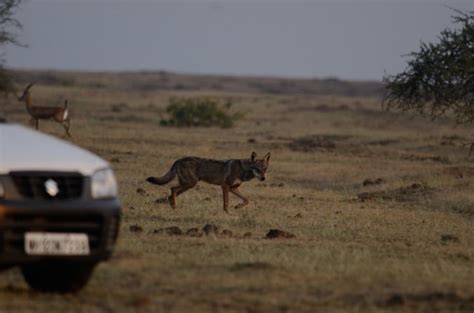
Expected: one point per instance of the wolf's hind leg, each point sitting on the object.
(176, 191)
(235, 191)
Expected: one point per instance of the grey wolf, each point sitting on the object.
(229, 174)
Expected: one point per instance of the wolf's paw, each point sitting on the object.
(238, 206)
(230, 214)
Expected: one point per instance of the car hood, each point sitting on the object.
(23, 149)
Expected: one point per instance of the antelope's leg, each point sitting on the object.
(66, 124)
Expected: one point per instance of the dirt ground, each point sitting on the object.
(376, 208)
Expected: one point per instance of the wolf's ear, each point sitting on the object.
(253, 156)
(267, 157)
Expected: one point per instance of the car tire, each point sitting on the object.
(57, 277)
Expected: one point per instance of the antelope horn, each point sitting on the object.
(29, 86)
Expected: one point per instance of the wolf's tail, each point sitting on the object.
(163, 179)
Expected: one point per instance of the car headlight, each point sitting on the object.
(104, 184)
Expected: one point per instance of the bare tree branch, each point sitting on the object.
(8, 23)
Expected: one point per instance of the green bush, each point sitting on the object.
(200, 111)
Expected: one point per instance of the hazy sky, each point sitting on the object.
(348, 39)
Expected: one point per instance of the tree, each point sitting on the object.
(439, 79)
(7, 36)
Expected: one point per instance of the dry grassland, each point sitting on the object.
(402, 243)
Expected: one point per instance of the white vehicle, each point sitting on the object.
(59, 210)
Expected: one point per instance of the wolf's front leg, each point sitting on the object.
(225, 194)
(235, 191)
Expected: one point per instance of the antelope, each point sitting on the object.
(59, 114)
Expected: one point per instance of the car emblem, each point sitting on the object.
(51, 187)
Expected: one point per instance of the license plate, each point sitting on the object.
(40, 243)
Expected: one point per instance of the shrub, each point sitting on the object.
(200, 111)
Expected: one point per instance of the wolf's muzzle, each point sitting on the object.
(258, 175)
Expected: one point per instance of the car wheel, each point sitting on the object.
(58, 277)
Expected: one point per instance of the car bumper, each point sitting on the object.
(99, 219)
